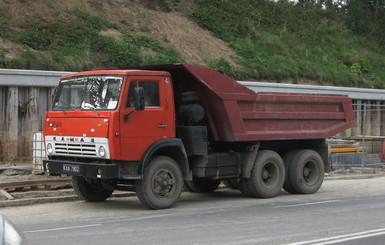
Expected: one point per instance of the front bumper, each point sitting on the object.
(92, 170)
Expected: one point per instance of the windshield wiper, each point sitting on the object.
(68, 105)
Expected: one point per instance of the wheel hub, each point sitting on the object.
(265, 174)
(163, 185)
(310, 172)
(306, 172)
(269, 174)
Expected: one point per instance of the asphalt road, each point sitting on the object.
(342, 212)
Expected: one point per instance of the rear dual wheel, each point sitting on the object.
(300, 172)
(305, 172)
(267, 176)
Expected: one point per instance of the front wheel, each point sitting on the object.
(161, 185)
(90, 190)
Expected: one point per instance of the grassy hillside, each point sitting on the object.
(283, 41)
(73, 40)
(259, 39)
(81, 34)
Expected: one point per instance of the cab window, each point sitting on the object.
(151, 93)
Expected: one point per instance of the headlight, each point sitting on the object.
(49, 148)
(102, 151)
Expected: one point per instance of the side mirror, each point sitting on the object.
(9, 234)
(139, 98)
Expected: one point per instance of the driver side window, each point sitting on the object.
(151, 93)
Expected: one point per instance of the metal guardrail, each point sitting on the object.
(354, 93)
(30, 78)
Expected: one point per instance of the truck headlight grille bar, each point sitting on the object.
(75, 149)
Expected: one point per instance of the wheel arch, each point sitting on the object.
(172, 148)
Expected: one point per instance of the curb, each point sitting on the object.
(353, 177)
(42, 200)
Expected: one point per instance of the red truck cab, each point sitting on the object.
(99, 106)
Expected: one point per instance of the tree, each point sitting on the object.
(367, 17)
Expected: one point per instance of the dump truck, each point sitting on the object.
(156, 129)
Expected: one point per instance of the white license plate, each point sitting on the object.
(71, 168)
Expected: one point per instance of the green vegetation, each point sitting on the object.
(72, 41)
(283, 41)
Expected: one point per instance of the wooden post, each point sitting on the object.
(358, 111)
(34, 118)
(376, 122)
(12, 123)
(3, 131)
(382, 119)
(368, 119)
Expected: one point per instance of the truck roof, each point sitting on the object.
(115, 71)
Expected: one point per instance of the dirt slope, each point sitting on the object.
(174, 28)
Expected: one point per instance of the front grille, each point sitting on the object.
(74, 149)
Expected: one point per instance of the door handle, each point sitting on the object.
(162, 126)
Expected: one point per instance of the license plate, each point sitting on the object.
(71, 168)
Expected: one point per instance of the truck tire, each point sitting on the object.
(202, 185)
(287, 161)
(161, 185)
(244, 187)
(90, 190)
(267, 175)
(306, 172)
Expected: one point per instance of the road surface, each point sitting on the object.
(342, 212)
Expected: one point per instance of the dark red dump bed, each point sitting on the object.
(236, 113)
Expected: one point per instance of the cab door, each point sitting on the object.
(140, 129)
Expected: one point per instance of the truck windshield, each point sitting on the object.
(88, 93)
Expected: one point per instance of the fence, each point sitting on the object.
(368, 132)
(25, 96)
(38, 153)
